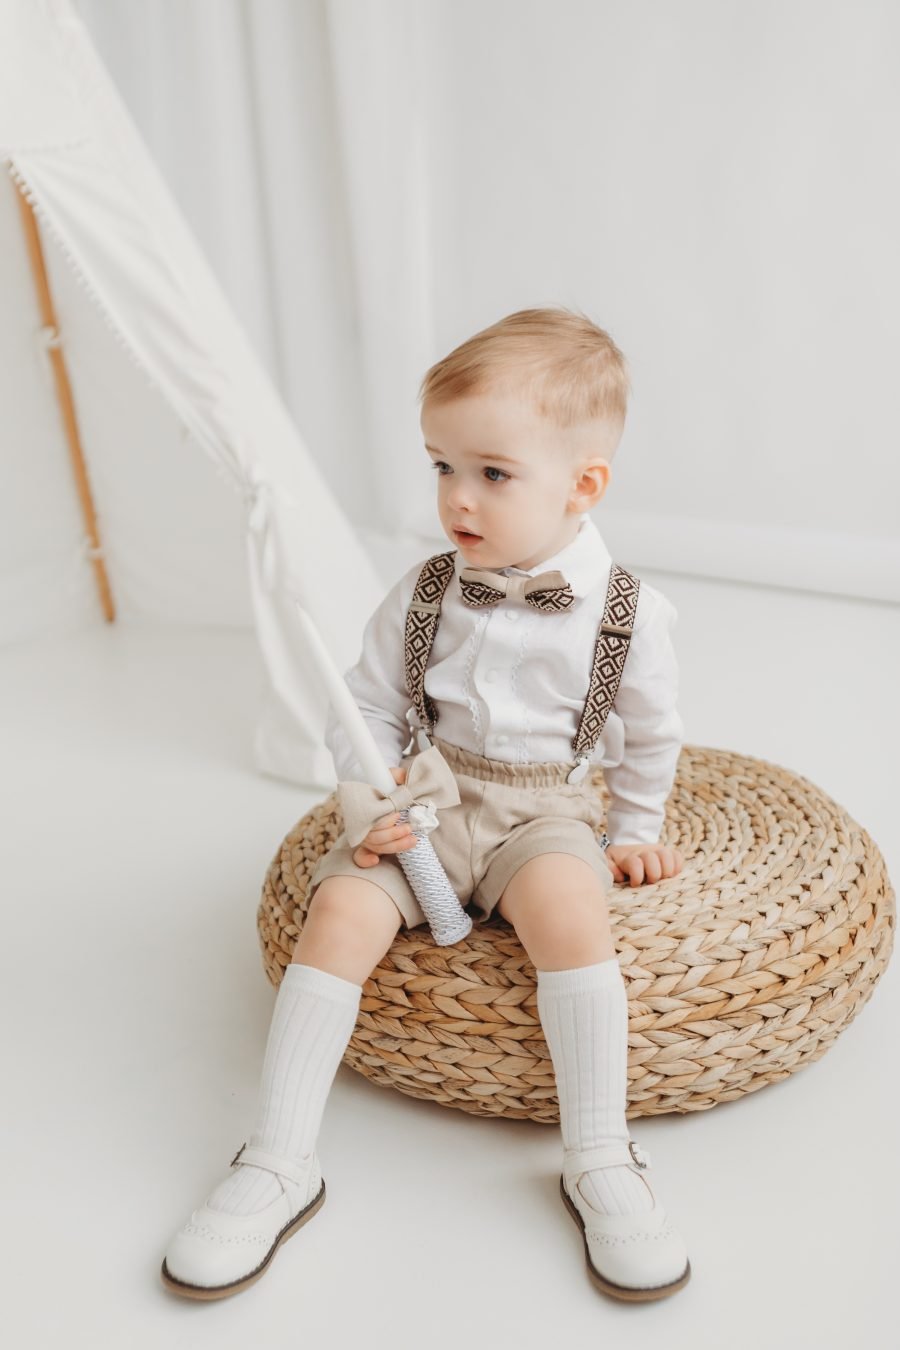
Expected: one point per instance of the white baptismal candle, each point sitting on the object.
(351, 719)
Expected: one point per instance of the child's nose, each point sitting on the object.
(459, 495)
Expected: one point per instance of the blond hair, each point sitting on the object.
(572, 370)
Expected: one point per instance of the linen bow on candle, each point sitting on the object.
(430, 783)
(547, 591)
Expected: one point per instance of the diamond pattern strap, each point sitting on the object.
(610, 650)
(422, 617)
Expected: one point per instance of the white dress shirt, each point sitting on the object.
(510, 682)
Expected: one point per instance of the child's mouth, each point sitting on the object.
(466, 536)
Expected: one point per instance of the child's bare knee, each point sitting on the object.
(350, 924)
(566, 924)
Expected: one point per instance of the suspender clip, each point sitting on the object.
(581, 769)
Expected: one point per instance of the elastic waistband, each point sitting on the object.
(546, 773)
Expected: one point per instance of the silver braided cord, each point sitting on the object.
(440, 904)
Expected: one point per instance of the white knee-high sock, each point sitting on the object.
(315, 1013)
(584, 1014)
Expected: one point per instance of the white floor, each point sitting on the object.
(135, 1013)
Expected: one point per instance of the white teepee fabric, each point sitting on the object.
(159, 367)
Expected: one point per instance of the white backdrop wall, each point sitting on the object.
(714, 182)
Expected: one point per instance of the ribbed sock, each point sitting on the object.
(315, 1013)
(584, 1014)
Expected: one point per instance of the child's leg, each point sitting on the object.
(562, 920)
(351, 923)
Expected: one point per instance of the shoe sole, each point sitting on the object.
(623, 1291)
(203, 1291)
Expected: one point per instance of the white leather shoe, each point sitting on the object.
(216, 1254)
(631, 1256)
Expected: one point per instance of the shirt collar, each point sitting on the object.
(584, 561)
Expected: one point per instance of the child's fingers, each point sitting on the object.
(652, 866)
(671, 861)
(387, 822)
(392, 839)
(635, 868)
(649, 866)
(398, 845)
(389, 834)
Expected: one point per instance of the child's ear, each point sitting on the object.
(592, 483)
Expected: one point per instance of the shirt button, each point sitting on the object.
(511, 614)
(490, 674)
(501, 740)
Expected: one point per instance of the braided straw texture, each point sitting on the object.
(739, 970)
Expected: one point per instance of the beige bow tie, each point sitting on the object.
(548, 591)
(428, 777)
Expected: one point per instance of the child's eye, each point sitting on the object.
(436, 464)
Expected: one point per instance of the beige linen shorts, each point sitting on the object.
(507, 813)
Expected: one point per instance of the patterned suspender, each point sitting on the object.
(610, 650)
(422, 618)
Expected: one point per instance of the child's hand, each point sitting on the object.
(643, 862)
(385, 836)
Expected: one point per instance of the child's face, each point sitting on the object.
(522, 512)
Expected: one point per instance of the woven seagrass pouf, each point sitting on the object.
(739, 970)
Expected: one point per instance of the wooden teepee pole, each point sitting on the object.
(65, 400)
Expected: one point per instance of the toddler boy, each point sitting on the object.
(525, 655)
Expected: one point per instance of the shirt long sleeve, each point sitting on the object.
(646, 702)
(378, 684)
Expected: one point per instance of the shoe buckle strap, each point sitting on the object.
(272, 1162)
(577, 1161)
